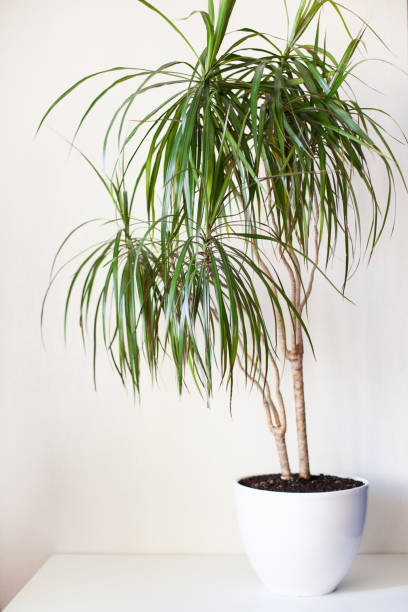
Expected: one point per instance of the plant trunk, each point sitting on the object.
(296, 360)
(283, 455)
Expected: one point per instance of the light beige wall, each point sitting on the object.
(86, 471)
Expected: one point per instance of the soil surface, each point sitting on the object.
(317, 484)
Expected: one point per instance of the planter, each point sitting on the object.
(301, 544)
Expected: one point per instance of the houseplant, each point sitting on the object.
(256, 155)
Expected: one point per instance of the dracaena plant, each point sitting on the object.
(230, 195)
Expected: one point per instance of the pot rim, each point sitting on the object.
(365, 485)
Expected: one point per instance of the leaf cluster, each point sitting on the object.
(253, 135)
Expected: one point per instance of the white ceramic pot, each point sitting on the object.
(301, 544)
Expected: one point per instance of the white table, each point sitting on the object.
(198, 583)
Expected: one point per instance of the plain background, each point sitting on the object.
(86, 471)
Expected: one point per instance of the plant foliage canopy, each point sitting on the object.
(257, 140)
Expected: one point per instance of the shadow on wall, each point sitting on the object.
(387, 519)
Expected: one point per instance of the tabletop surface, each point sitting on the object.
(167, 583)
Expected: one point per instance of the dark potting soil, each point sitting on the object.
(317, 484)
